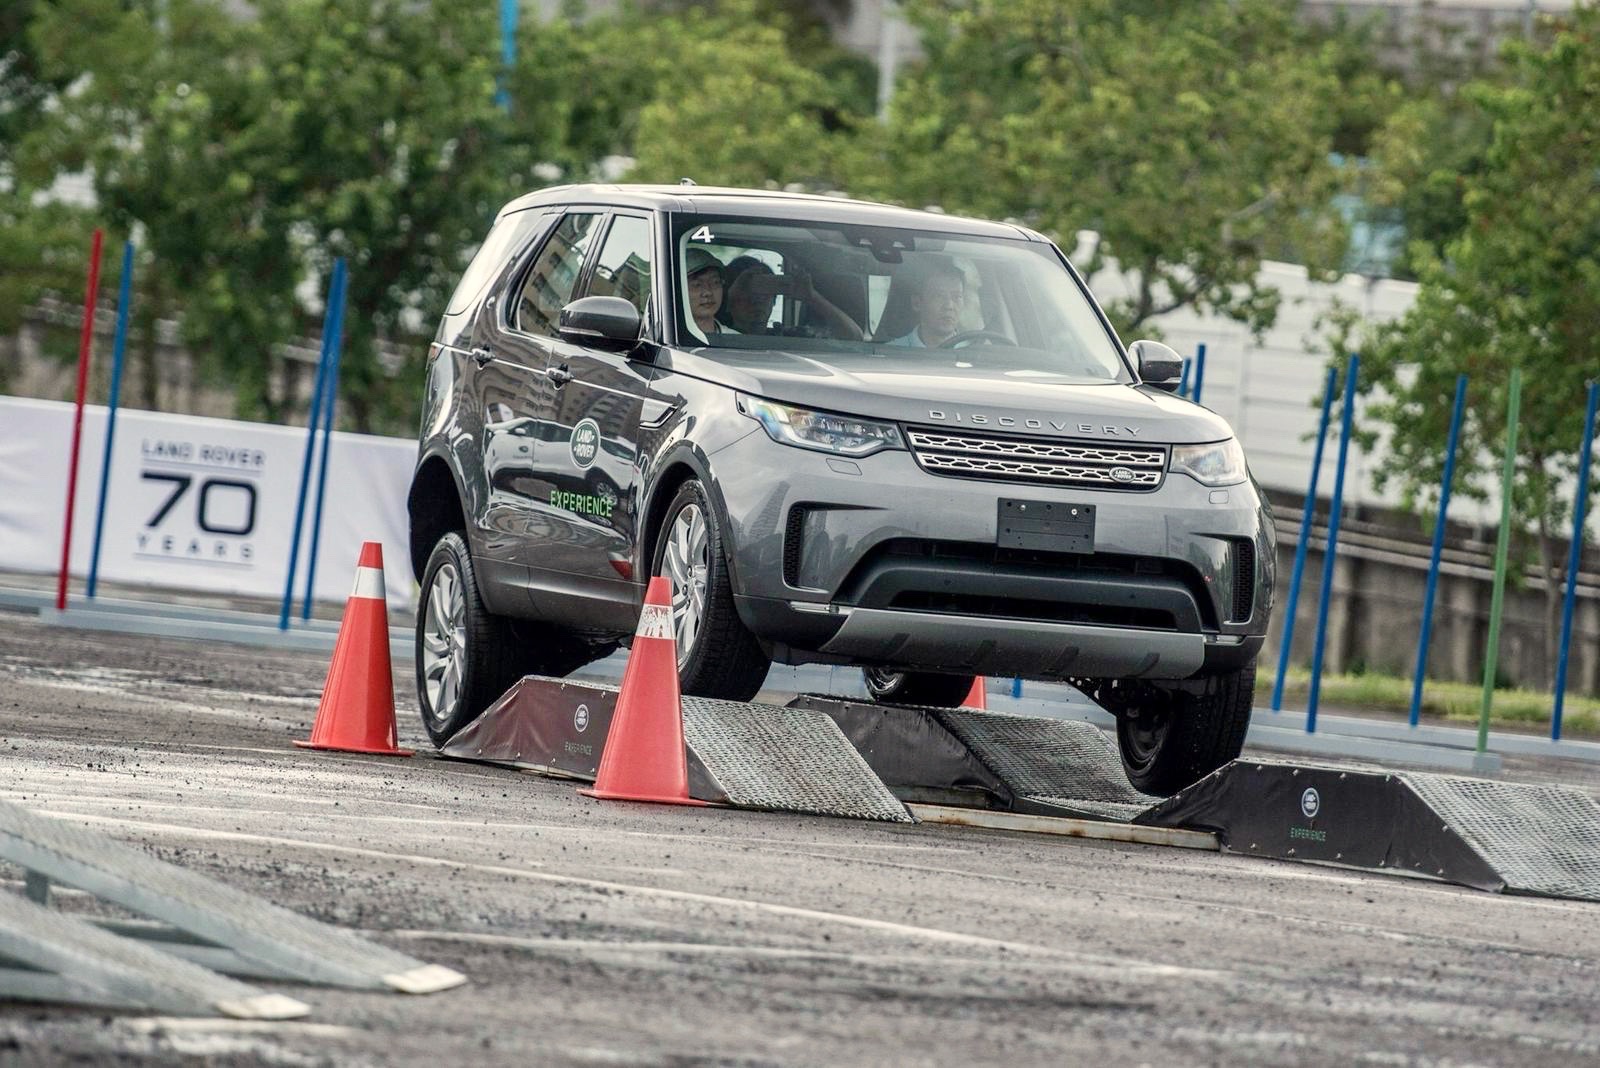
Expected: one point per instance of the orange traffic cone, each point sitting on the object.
(357, 710)
(975, 697)
(644, 757)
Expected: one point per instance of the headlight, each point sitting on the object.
(1221, 463)
(823, 431)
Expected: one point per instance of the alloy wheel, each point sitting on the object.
(686, 561)
(444, 644)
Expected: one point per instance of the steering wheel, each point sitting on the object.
(972, 337)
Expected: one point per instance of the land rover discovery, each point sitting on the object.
(849, 434)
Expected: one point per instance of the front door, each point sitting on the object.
(590, 454)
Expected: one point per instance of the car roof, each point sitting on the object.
(763, 203)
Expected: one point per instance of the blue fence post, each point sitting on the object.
(508, 51)
(1438, 548)
(1199, 370)
(1183, 379)
(1300, 543)
(119, 346)
(312, 420)
(1016, 687)
(1332, 549)
(1574, 558)
(335, 348)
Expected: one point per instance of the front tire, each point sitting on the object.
(717, 655)
(1174, 734)
(917, 687)
(467, 657)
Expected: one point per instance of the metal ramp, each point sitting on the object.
(1504, 837)
(48, 956)
(202, 919)
(1027, 764)
(745, 755)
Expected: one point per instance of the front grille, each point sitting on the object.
(1244, 579)
(1016, 459)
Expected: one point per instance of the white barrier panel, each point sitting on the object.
(196, 503)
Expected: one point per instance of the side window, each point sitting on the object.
(490, 257)
(554, 274)
(624, 266)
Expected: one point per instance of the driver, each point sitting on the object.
(939, 298)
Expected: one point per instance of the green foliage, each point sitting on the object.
(253, 151)
(1518, 287)
(1193, 137)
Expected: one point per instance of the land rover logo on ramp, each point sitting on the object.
(580, 718)
(1311, 803)
(585, 442)
(1122, 474)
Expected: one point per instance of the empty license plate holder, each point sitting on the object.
(1046, 526)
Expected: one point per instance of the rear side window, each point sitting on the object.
(554, 274)
(491, 256)
(623, 269)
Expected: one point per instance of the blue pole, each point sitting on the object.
(1183, 379)
(1574, 558)
(1301, 542)
(1333, 541)
(1199, 370)
(1016, 687)
(334, 348)
(1438, 548)
(508, 50)
(311, 443)
(124, 299)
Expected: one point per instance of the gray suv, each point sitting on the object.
(850, 434)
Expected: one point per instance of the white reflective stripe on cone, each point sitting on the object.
(369, 583)
(655, 622)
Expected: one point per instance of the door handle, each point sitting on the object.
(482, 356)
(560, 375)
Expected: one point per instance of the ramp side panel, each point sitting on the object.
(543, 724)
(211, 910)
(1542, 840)
(1361, 819)
(785, 759)
(914, 754)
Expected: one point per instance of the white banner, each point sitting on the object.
(196, 503)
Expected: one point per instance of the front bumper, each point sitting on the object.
(876, 561)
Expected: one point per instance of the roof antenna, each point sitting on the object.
(686, 181)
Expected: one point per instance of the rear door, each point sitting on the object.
(515, 348)
(590, 454)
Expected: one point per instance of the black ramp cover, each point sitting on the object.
(1490, 835)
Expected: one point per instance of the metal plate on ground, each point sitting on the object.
(48, 956)
(1063, 764)
(264, 938)
(789, 759)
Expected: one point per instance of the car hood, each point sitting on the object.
(908, 390)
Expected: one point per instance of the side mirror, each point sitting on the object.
(1158, 364)
(604, 322)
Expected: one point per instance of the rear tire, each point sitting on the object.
(717, 655)
(1174, 734)
(917, 687)
(467, 657)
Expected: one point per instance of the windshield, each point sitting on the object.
(1007, 306)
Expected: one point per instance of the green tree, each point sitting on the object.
(255, 150)
(1519, 287)
(1192, 136)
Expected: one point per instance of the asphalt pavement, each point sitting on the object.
(602, 933)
